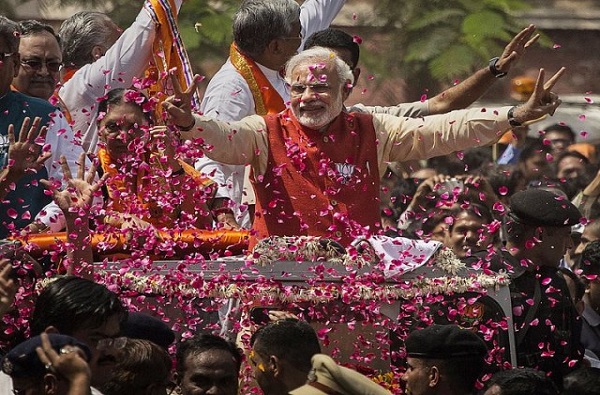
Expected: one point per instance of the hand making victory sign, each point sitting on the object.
(179, 106)
(541, 102)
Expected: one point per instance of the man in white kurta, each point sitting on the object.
(228, 97)
(125, 59)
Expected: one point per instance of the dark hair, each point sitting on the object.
(523, 381)
(335, 39)
(10, 32)
(462, 372)
(72, 303)
(141, 363)
(475, 209)
(558, 127)
(532, 148)
(573, 154)
(590, 259)
(477, 158)
(577, 282)
(204, 342)
(117, 96)
(585, 380)
(499, 176)
(31, 26)
(258, 22)
(517, 232)
(289, 339)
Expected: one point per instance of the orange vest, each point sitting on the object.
(318, 184)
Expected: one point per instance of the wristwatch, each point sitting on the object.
(511, 118)
(494, 70)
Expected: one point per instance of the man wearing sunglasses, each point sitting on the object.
(41, 59)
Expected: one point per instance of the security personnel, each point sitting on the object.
(443, 360)
(547, 326)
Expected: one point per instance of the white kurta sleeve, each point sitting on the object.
(237, 143)
(317, 15)
(402, 139)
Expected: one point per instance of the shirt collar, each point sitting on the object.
(270, 74)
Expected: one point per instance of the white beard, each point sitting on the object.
(323, 118)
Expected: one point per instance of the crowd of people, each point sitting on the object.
(90, 146)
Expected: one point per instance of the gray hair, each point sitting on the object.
(32, 27)
(10, 33)
(316, 55)
(258, 22)
(82, 32)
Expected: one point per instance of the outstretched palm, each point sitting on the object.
(24, 153)
(80, 191)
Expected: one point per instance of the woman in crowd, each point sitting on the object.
(147, 184)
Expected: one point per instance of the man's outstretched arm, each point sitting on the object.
(464, 94)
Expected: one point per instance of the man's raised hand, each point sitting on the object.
(516, 48)
(179, 105)
(24, 153)
(542, 101)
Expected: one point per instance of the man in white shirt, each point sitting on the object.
(98, 58)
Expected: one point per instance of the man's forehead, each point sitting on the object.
(313, 72)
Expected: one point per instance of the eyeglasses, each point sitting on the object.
(319, 88)
(36, 65)
(116, 343)
(4, 55)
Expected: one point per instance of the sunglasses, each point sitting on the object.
(36, 65)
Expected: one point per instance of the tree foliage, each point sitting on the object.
(441, 40)
(433, 41)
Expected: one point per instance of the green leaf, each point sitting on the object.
(454, 62)
(483, 24)
(431, 44)
(435, 17)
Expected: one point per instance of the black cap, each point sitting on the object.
(146, 327)
(443, 342)
(537, 207)
(22, 361)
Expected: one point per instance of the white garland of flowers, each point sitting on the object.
(311, 249)
(314, 249)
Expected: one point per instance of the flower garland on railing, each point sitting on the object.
(320, 293)
(368, 286)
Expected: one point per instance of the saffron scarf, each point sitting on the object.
(266, 98)
(169, 54)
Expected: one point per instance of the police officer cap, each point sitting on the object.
(443, 342)
(146, 327)
(538, 207)
(22, 361)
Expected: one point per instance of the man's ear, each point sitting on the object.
(51, 329)
(273, 48)
(50, 384)
(16, 58)
(346, 90)
(434, 376)
(275, 366)
(98, 52)
(356, 74)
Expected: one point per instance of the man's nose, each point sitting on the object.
(308, 94)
